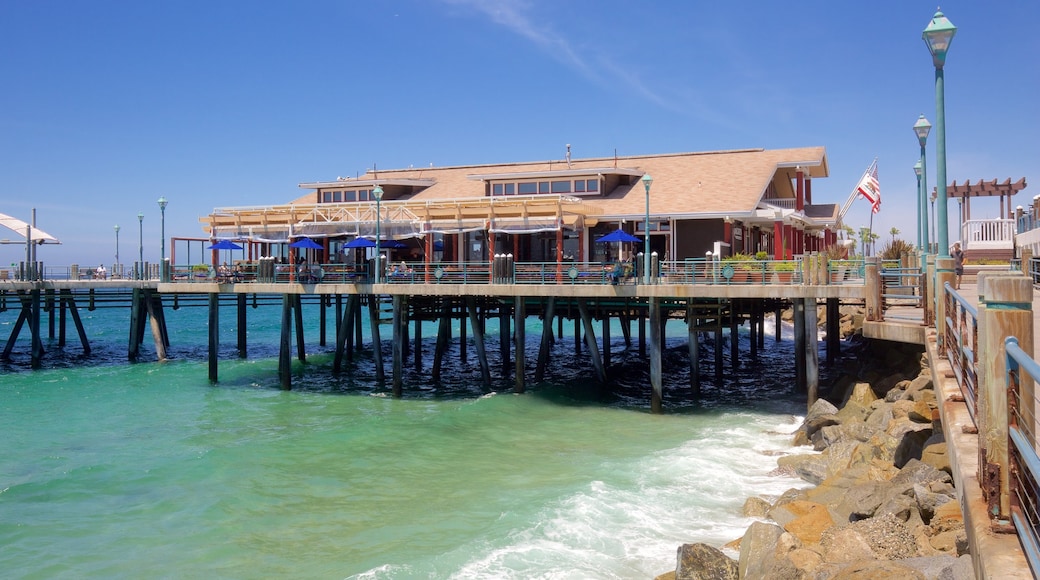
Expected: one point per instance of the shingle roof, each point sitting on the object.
(684, 183)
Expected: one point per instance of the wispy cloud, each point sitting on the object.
(601, 68)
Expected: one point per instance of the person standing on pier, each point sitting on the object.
(958, 264)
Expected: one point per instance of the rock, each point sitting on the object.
(901, 409)
(961, 569)
(936, 456)
(921, 412)
(888, 537)
(757, 549)
(666, 576)
(861, 394)
(911, 446)
(917, 472)
(845, 544)
(808, 520)
(703, 562)
(883, 386)
(923, 382)
(854, 411)
(755, 507)
(929, 501)
(804, 561)
(877, 570)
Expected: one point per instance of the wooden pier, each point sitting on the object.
(704, 308)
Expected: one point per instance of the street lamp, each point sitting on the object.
(116, 228)
(938, 35)
(140, 244)
(647, 181)
(934, 220)
(377, 192)
(162, 240)
(921, 128)
(920, 201)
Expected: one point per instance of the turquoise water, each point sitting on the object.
(122, 471)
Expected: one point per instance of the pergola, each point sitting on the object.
(1005, 190)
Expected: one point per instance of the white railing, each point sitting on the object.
(993, 234)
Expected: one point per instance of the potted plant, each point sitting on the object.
(783, 271)
(738, 266)
(199, 271)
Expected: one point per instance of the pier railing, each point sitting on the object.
(804, 270)
(1024, 464)
(961, 343)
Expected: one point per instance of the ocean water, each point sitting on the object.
(119, 470)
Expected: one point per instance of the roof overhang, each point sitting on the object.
(357, 183)
(571, 172)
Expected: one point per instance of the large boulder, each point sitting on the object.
(703, 562)
(757, 549)
(877, 570)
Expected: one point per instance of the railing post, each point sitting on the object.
(943, 274)
(1026, 261)
(1005, 309)
(872, 287)
(929, 302)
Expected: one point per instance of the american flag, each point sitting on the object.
(868, 187)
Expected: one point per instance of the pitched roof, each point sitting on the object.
(684, 183)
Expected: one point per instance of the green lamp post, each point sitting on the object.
(921, 128)
(920, 223)
(140, 245)
(938, 35)
(377, 192)
(647, 181)
(162, 240)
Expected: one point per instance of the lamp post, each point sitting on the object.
(377, 192)
(647, 181)
(921, 234)
(116, 228)
(162, 234)
(140, 245)
(934, 221)
(921, 128)
(938, 35)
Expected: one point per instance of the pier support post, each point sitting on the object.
(399, 336)
(284, 344)
(799, 345)
(812, 352)
(872, 290)
(657, 389)
(478, 340)
(590, 341)
(755, 307)
(694, 349)
(548, 312)
(213, 327)
(1005, 309)
(833, 330)
(734, 334)
(74, 311)
(153, 304)
(377, 343)
(301, 347)
(443, 338)
(605, 337)
(240, 314)
(34, 326)
(504, 335)
(520, 327)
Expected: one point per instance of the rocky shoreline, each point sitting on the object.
(883, 505)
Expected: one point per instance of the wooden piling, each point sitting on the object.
(590, 341)
(656, 386)
(520, 325)
(478, 340)
(213, 327)
(284, 348)
(399, 336)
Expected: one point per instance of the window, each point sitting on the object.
(510, 189)
(543, 187)
(497, 189)
(560, 187)
(527, 188)
(592, 185)
(579, 186)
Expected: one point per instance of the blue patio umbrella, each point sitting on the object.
(393, 244)
(225, 245)
(306, 243)
(618, 236)
(360, 243)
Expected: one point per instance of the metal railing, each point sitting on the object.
(1024, 468)
(961, 346)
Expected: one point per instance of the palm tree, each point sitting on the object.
(894, 231)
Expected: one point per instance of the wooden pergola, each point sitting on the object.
(967, 190)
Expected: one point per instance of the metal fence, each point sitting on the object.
(1024, 469)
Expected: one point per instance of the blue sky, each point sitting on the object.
(106, 106)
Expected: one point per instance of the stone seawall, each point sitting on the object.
(883, 505)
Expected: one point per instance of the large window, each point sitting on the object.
(558, 187)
